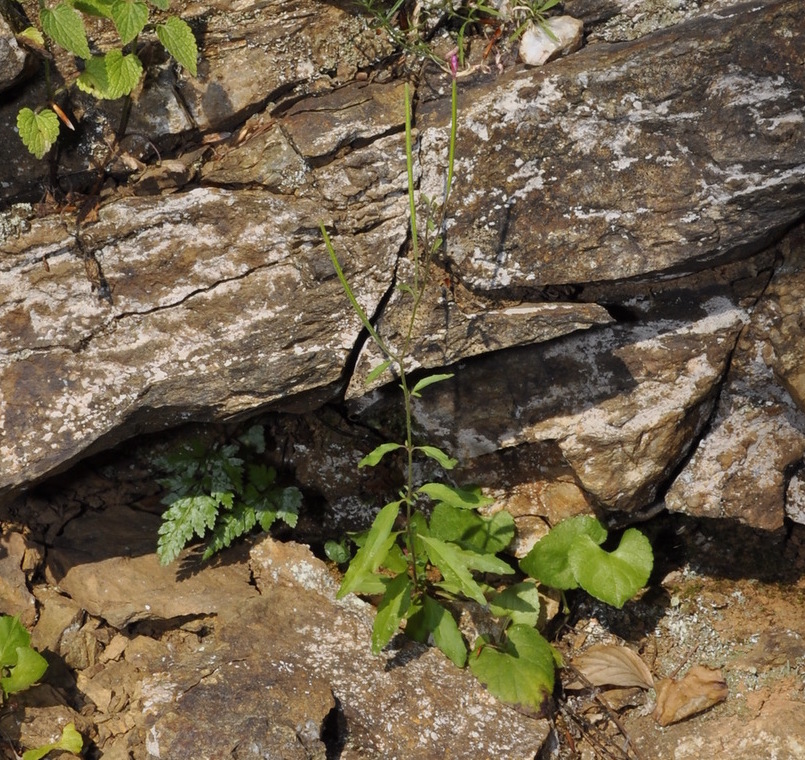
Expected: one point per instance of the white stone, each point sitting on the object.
(537, 47)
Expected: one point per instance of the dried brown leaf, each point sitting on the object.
(610, 665)
(700, 689)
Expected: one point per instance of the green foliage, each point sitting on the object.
(110, 75)
(21, 666)
(434, 551)
(217, 491)
(570, 556)
(69, 741)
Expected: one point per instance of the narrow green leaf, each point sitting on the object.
(177, 38)
(64, 25)
(123, 73)
(370, 556)
(391, 610)
(372, 458)
(548, 561)
(426, 381)
(463, 498)
(614, 577)
(377, 371)
(441, 624)
(443, 459)
(130, 17)
(521, 671)
(38, 131)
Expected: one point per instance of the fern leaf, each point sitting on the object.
(231, 525)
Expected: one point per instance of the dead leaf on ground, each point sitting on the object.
(700, 689)
(611, 665)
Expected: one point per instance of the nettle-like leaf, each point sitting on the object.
(130, 16)
(161, 4)
(64, 25)
(94, 79)
(613, 577)
(488, 535)
(69, 741)
(177, 38)
(100, 8)
(187, 516)
(34, 35)
(370, 556)
(549, 561)
(429, 618)
(519, 671)
(21, 665)
(391, 610)
(38, 131)
(123, 73)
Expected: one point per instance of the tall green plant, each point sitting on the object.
(431, 551)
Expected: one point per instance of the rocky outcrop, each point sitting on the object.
(631, 190)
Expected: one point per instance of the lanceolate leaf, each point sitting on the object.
(549, 560)
(391, 610)
(426, 381)
(65, 26)
(377, 371)
(374, 550)
(613, 578)
(177, 38)
(520, 671)
(443, 459)
(129, 18)
(373, 457)
(38, 131)
(464, 498)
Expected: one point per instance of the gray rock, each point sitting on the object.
(14, 60)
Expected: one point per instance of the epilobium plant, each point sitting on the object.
(430, 553)
(111, 75)
(219, 491)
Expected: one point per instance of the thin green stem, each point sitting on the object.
(409, 162)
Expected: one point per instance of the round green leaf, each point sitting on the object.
(548, 561)
(614, 577)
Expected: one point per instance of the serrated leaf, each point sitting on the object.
(391, 610)
(613, 577)
(94, 79)
(33, 34)
(161, 4)
(254, 438)
(610, 665)
(130, 16)
(28, 668)
(261, 476)
(64, 25)
(521, 671)
(100, 8)
(187, 516)
(229, 526)
(377, 371)
(456, 564)
(373, 457)
(549, 561)
(38, 131)
(489, 535)
(177, 38)
(519, 602)
(123, 73)
(69, 741)
(443, 459)
(429, 380)
(374, 550)
(463, 498)
(289, 503)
